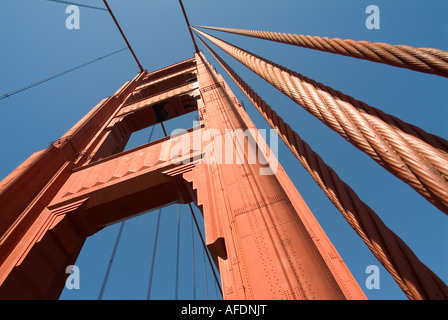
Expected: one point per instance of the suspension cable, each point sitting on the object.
(78, 4)
(57, 75)
(163, 128)
(188, 26)
(111, 261)
(205, 274)
(156, 237)
(205, 249)
(427, 60)
(407, 157)
(413, 277)
(178, 254)
(150, 135)
(192, 250)
(154, 250)
(216, 291)
(122, 34)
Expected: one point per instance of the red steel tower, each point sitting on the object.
(264, 239)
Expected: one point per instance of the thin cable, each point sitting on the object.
(124, 37)
(216, 291)
(188, 26)
(192, 250)
(150, 135)
(154, 250)
(77, 4)
(205, 274)
(205, 248)
(163, 128)
(57, 75)
(111, 261)
(178, 253)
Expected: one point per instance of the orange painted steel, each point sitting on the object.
(427, 60)
(415, 162)
(256, 226)
(413, 277)
(267, 242)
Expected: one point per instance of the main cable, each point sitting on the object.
(192, 250)
(152, 132)
(154, 250)
(414, 161)
(427, 60)
(413, 277)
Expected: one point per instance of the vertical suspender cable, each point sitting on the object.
(154, 255)
(117, 241)
(178, 253)
(163, 128)
(106, 276)
(205, 248)
(150, 135)
(192, 249)
(205, 274)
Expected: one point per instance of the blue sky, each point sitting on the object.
(36, 44)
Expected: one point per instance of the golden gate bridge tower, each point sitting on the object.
(259, 232)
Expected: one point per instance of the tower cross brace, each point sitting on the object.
(263, 238)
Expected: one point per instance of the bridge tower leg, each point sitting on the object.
(264, 239)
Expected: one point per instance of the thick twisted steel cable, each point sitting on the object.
(356, 122)
(413, 277)
(320, 44)
(427, 60)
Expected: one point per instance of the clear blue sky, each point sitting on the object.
(36, 44)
